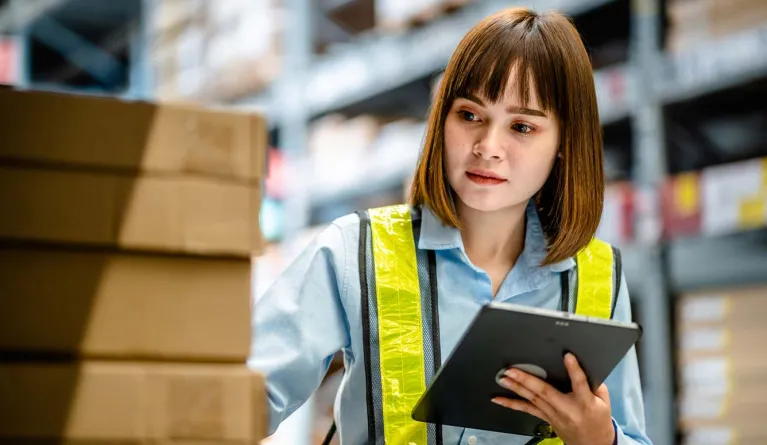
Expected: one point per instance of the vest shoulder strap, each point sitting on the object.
(399, 313)
(599, 279)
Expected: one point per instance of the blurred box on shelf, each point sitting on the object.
(169, 15)
(233, 51)
(681, 205)
(616, 226)
(184, 214)
(742, 307)
(244, 53)
(719, 434)
(734, 197)
(118, 305)
(740, 339)
(396, 15)
(744, 421)
(696, 22)
(732, 16)
(354, 16)
(242, 75)
(179, 62)
(139, 403)
(696, 410)
(717, 200)
(131, 136)
(338, 146)
(361, 157)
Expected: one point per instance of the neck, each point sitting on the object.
(493, 237)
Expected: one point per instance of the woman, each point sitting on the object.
(507, 192)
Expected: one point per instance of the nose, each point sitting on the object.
(489, 146)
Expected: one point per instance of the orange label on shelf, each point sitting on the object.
(686, 193)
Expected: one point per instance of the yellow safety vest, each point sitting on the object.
(401, 324)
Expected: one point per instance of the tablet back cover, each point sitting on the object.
(461, 392)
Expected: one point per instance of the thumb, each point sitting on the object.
(603, 393)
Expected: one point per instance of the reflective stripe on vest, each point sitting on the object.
(400, 318)
(398, 287)
(400, 336)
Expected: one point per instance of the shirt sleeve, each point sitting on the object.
(625, 386)
(299, 324)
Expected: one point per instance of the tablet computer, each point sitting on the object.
(505, 335)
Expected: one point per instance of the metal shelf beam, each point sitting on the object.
(731, 260)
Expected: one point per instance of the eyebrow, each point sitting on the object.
(513, 109)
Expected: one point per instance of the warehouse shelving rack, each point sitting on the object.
(81, 46)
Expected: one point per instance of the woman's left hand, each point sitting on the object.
(582, 417)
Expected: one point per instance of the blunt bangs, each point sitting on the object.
(512, 44)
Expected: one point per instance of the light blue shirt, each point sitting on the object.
(313, 310)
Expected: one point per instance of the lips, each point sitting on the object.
(483, 177)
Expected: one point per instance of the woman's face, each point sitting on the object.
(498, 155)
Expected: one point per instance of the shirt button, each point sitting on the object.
(472, 440)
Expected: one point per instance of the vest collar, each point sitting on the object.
(436, 236)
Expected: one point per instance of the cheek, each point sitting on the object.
(456, 146)
(538, 164)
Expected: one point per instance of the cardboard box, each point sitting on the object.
(731, 340)
(153, 213)
(131, 403)
(99, 304)
(748, 408)
(130, 136)
(725, 307)
(717, 433)
(681, 205)
(734, 197)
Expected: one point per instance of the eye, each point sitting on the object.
(468, 116)
(522, 128)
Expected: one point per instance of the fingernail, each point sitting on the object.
(506, 383)
(497, 401)
(570, 357)
(512, 374)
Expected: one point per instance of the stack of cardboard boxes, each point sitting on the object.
(126, 239)
(214, 51)
(722, 367)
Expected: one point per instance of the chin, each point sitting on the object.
(489, 202)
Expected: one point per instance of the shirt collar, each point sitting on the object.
(437, 236)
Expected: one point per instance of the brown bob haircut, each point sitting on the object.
(547, 48)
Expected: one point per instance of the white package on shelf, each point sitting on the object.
(731, 195)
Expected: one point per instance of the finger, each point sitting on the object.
(521, 405)
(544, 406)
(541, 389)
(578, 378)
(603, 393)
